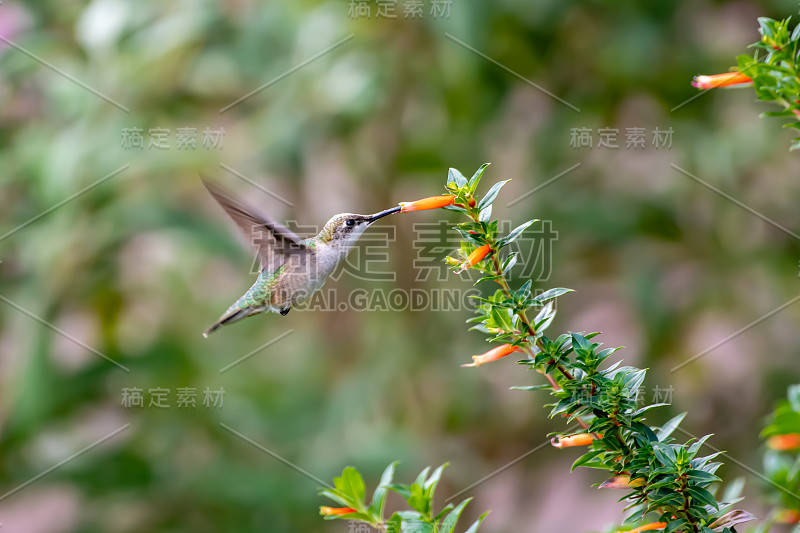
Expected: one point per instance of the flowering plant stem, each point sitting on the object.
(771, 71)
(529, 330)
(668, 482)
(670, 485)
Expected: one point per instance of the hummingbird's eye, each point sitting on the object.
(350, 222)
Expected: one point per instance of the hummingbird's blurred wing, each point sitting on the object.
(273, 242)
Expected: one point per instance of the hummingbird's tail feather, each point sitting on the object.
(212, 328)
(229, 318)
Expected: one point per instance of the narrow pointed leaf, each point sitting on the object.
(379, 496)
(666, 430)
(491, 195)
(450, 521)
(454, 176)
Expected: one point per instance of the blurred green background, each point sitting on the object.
(138, 264)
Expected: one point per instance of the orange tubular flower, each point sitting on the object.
(581, 439)
(789, 516)
(647, 527)
(475, 257)
(433, 202)
(335, 511)
(721, 80)
(790, 441)
(493, 355)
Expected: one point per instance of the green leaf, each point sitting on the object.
(485, 214)
(403, 490)
(450, 521)
(379, 496)
(476, 240)
(702, 496)
(516, 232)
(413, 523)
(695, 446)
(488, 277)
(525, 290)
(744, 61)
(476, 178)
(509, 262)
(550, 294)
(585, 458)
(394, 524)
(419, 500)
(702, 476)
(579, 341)
(430, 484)
(454, 176)
(454, 208)
(645, 430)
(664, 454)
(530, 387)
(501, 318)
(544, 318)
(338, 497)
(491, 195)
(673, 525)
(475, 525)
(666, 430)
(633, 380)
(767, 26)
(422, 476)
(439, 517)
(646, 408)
(351, 484)
(670, 499)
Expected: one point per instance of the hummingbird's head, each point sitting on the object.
(343, 230)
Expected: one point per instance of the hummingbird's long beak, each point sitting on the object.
(376, 216)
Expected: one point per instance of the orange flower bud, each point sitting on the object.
(769, 41)
(647, 527)
(433, 202)
(335, 511)
(789, 516)
(581, 439)
(721, 80)
(475, 257)
(493, 355)
(621, 482)
(790, 441)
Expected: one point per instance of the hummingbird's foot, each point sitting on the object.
(285, 311)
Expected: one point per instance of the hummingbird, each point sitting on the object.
(292, 269)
